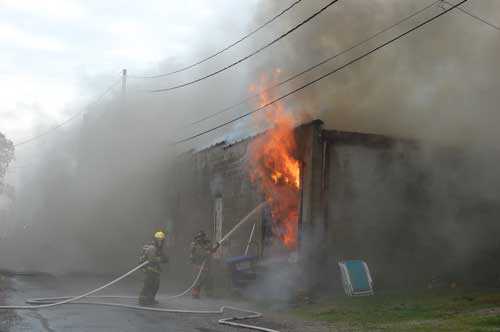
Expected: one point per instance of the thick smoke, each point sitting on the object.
(440, 83)
(97, 193)
(99, 187)
(437, 86)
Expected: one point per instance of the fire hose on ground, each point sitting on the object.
(44, 303)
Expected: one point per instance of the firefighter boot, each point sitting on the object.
(195, 292)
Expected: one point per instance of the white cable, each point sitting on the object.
(253, 315)
(76, 298)
(192, 285)
(46, 302)
(52, 299)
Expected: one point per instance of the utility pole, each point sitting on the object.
(124, 82)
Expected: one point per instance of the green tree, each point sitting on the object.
(6, 155)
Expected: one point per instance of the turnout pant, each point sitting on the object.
(149, 288)
(204, 280)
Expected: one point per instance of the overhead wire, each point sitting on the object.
(479, 19)
(224, 49)
(364, 55)
(474, 16)
(68, 120)
(311, 68)
(76, 115)
(280, 37)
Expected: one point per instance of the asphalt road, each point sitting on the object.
(79, 318)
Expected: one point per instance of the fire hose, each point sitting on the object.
(44, 303)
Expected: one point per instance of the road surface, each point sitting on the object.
(79, 318)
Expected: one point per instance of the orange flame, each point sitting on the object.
(275, 169)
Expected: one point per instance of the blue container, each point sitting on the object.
(241, 270)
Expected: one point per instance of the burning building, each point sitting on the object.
(332, 195)
(336, 195)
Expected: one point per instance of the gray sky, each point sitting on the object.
(57, 54)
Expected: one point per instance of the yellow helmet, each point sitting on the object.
(160, 235)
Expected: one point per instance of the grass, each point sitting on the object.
(427, 310)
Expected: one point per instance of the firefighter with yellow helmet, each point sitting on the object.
(154, 254)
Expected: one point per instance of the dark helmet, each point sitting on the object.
(201, 235)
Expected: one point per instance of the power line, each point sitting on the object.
(260, 27)
(364, 55)
(480, 19)
(330, 58)
(71, 118)
(249, 55)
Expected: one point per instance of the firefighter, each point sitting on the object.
(153, 253)
(201, 252)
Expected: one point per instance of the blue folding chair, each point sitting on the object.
(356, 278)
